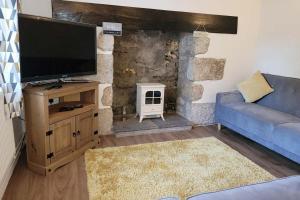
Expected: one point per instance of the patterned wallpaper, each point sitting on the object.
(9, 57)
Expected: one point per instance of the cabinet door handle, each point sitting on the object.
(78, 132)
(74, 134)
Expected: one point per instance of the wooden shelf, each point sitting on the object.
(55, 115)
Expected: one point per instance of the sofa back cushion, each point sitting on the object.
(286, 95)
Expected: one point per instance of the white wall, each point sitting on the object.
(7, 147)
(239, 50)
(279, 43)
(227, 7)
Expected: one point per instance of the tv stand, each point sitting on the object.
(55, 138)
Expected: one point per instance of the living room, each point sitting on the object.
(149, 99)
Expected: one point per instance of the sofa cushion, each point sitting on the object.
(254, 118)
(286, 95)
(281, 189)
(287, 136)
(255, 88)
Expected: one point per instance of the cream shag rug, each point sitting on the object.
(176, 168)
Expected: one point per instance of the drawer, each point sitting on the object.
(152, 109)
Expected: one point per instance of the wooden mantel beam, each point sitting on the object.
(142, 18)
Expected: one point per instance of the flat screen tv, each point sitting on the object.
(54, 49)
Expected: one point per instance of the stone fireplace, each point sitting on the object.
(172, 55)
(176, 60)
(144, 57)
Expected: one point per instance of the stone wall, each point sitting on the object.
(194, 68)
(144, 56)
(105, 60)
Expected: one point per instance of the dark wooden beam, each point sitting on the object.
(143, 19)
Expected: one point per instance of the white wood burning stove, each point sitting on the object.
(150, 100)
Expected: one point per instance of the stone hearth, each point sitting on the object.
(172, 123)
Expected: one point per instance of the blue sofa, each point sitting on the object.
(273, 121)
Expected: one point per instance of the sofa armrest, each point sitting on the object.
(226, 98)
(229, 97)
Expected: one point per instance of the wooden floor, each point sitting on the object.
(69, 182)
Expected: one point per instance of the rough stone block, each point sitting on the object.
(105, 121)
(188, 111)
(104, 42)
(203, 113)
(181, 106)
(201, 43)
(190, 91)
(105, 68)
(185, 45)
(121, 98)
(191, 45)
(197, 92)
(107, 96)
(202, 69)
(183, 68)
(184, 89)
(180, 101)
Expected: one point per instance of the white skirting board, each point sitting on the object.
(10, 169)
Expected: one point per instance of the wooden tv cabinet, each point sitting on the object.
(55, 138)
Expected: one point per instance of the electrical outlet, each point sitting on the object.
(53, 101)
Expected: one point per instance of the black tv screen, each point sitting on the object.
(51, 49)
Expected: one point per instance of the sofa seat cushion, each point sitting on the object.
(254, 118)
(287, 136)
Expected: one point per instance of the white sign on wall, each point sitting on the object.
(112, 28)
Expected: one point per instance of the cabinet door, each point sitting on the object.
(157, 97)
(62, 139)
(84, 128)
(149, 97)
(153, 97)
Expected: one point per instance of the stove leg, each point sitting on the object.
(162, 117)
(141, 118)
